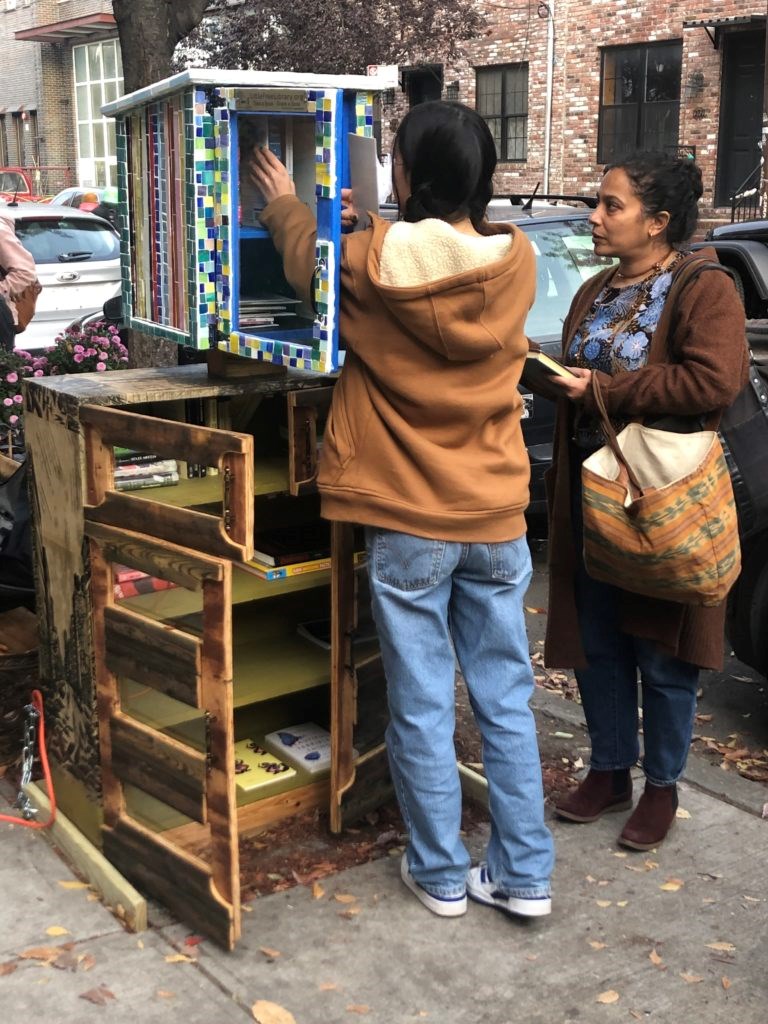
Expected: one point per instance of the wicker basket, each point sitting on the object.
(18, 677)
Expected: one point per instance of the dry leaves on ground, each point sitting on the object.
(265, 1012)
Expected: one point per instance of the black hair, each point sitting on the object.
(449, 155)
(664, 182)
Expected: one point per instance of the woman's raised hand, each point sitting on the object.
(269, 175)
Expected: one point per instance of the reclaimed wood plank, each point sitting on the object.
(167, 659)
(189, 569)
(161, 766)
(181, 881)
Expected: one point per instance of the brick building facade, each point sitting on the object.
(626, 74)
(59, 60)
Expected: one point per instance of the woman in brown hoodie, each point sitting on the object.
(424, 447)
(669, 363)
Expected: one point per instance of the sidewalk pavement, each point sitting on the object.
(680, 934)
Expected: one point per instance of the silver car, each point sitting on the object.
(77, 257)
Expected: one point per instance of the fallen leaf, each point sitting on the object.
(726, 982)
(598, 945)
(55, 930)
(265, 1012)
(165, 993)
(7, 968)
(603, 903)
(73, 885)
(328, 986)
(358, 1008)
(721, 947)
(271, 954)
(608, 997)
(344, 897)
(681, 813)
(672, 885)
(691, 979)
(317, 891)
(654, 957)
(179, 958)
(98, 996)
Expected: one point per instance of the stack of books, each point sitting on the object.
(135, 470)
(264, 310)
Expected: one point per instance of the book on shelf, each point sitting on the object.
(125, 470)
(538, 371)
(281, 572)
(306, 746)
(144, 584)
(257, 768)
(290, 544)
(318, 631)
(136, 483)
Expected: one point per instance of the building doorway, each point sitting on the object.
(741, 104)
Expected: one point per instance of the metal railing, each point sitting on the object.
(745, 202)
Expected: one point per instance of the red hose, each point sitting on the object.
(37, 701)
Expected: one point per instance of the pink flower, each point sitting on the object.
(13, 419)
(7, 402)
(78, 357)
(12, 378)
(18, 399)
(38, 373)
(101, 366)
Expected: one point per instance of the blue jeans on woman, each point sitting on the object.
(432, 598)
(608, 686)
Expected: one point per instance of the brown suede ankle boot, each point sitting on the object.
(652, 819)
(600, 793)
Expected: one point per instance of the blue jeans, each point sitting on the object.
(608, 685)
(431, 598)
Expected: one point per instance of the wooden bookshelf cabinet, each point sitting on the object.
(146, 695)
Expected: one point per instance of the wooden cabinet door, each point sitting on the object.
(360, 781)
(229, 535)
(307, 413)
(195, 670)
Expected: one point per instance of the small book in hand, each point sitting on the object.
(538, 371)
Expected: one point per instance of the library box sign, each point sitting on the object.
(197, 265)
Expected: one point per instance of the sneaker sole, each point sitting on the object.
(443, 908)
(625, 805)
(537, 908)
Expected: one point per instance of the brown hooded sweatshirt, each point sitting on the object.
(424, 432)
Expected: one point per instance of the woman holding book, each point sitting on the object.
(670, 365)
(424, 447)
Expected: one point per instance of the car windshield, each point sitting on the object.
(67, 240)
(565, 259)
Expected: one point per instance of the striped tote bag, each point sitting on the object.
(659, 513)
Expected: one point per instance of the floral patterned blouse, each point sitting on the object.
(616, 333)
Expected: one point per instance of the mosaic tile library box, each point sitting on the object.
(200, 683)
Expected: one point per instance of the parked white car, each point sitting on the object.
(77, 256)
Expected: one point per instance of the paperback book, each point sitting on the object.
(306, 746)
(256, 768)
(538, 373)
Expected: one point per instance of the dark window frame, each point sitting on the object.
(608, 151)
(506, 119)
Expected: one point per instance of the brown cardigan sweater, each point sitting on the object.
(705, 334)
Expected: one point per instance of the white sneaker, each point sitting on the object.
(443, 906)
(481, 888)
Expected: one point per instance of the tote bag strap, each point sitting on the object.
(612, 440)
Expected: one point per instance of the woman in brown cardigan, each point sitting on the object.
(683, 359)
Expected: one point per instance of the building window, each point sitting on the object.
(502, 100)
(639, 99)
(98, 73)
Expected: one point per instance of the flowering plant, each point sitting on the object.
(94, 347)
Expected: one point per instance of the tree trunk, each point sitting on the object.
(149, 32)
